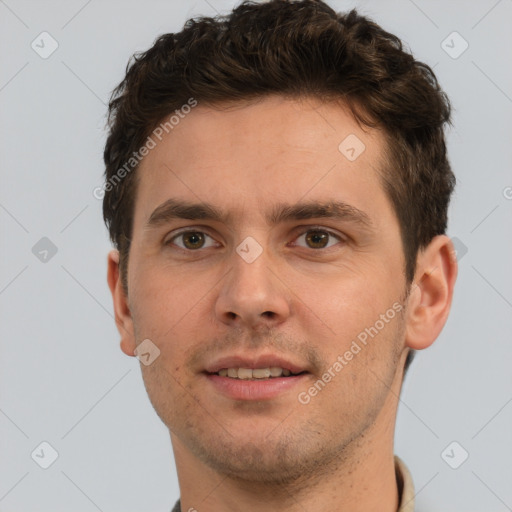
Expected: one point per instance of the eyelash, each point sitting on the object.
(310, 228)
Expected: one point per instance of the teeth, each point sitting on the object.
(260, 373)
(244, 373)
(275, 371)
(256, 373)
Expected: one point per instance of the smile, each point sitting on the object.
(255, 373)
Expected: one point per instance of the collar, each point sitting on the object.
(405, 486)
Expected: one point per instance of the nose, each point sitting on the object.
(252, 296)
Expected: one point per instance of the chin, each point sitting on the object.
(269, 460)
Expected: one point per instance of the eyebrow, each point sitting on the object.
(282, 212)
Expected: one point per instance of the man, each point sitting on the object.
(276, 189)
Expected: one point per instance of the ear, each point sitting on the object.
(431, 293)
(121, 309)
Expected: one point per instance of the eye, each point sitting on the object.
(191, 240)
(318, 238)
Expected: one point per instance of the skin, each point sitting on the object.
(302, 302)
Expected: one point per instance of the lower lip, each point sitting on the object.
(264, 389)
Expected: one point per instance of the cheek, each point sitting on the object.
(347, 303)
(172, 309)
(164, 296)
(362, 322)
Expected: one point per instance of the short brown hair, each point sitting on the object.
(296, 49)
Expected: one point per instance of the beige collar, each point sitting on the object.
(405, 486)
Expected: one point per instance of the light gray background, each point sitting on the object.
(63, 377)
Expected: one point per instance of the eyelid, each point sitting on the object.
(314, 227)
(303, 230)
(187, 229)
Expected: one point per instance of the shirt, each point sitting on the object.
(403, 481)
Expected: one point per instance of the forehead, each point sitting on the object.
(248, 155)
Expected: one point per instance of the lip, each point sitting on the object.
(254, 390)
(261, 361)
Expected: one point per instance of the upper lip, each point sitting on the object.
(262, 361)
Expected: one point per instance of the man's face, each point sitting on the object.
(257, 291)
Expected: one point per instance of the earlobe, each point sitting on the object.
(431, 294)
(121, 309)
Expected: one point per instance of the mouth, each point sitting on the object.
(271, 372)
(254, 379)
